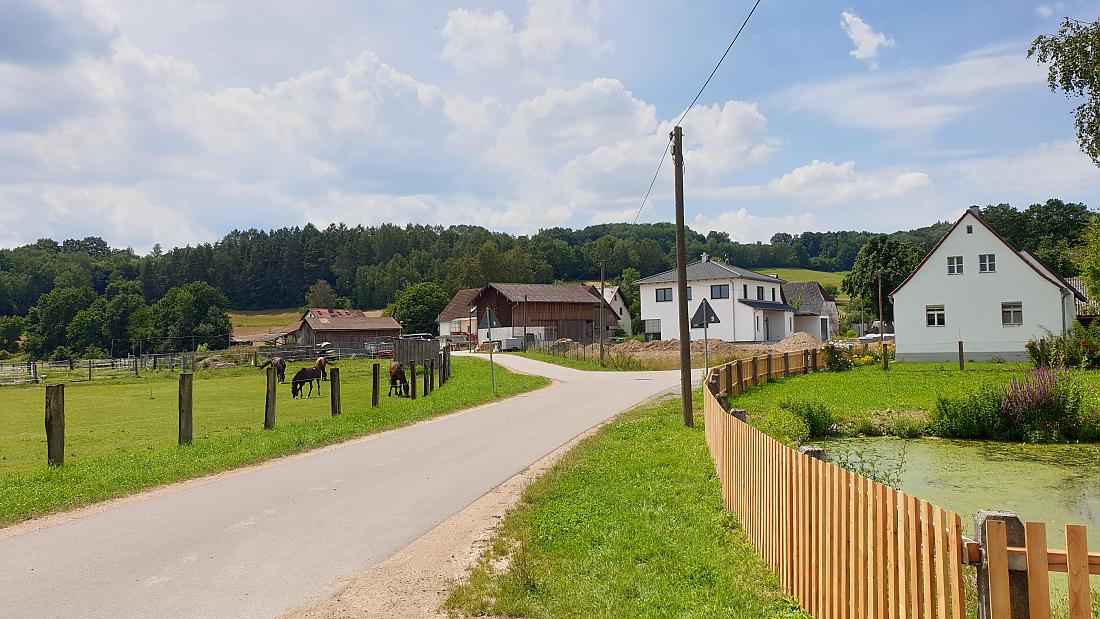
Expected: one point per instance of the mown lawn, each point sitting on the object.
(629, 524)
(808, 275)
(121, 435)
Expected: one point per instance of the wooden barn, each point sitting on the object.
(542, 311)
(344, 327)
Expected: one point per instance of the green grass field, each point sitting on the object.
(808, 275)
(630, 523)
(121, 435)
(265, 318)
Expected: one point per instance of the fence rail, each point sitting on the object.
(846, 546)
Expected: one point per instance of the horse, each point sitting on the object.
(322, 364)
(302, 377)
(280, 367)
(398, 380)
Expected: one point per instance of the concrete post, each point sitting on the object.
(1017, 580)
(812, 451)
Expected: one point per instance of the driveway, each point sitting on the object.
(254, 543)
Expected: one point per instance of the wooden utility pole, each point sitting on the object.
(882, 326)
(603, 316)
(681, 280)
(524, 330)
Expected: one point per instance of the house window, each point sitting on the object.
(664, 294)
(689, 293)
(970, 229)
(1012, 314)
(935, 315)
(720, 291)
(987, 263)
(773, 295)
(744, 291)
(759, 293)
(954, 265)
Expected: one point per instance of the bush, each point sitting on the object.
(95, 352)
(836, 358)
(1088, 426)
(905, 427)
(622, 362)
(974, 415)
(784, 426)
(856, 461)
(1078, 347)
(816, 415)
(62, 354)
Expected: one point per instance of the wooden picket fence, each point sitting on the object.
(846, 546)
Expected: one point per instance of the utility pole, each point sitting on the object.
(882, 326)
(524, 323)
(603, 316)
(681, 280)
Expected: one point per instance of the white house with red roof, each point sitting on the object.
(975, 287)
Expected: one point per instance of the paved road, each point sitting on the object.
(256, 543)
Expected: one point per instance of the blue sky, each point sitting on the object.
(176, 121)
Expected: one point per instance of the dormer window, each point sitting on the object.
(954, 265)
(987, 263)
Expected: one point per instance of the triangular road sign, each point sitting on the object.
(704, 316)
(489, 320)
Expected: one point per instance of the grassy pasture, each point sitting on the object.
(265, 318)
(630, 523)
(121, 435)
(808, 275)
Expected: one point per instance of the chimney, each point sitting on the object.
(705, 257)
(975, 211)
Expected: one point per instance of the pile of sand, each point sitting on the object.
(563, 345)
(796, 342)
(215, 362)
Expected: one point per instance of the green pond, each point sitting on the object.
(1055, 484)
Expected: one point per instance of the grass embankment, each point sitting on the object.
(121, 436)
(630, 523)
(809, 275)
(867, 400)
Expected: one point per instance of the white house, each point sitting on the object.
(976, 288)
(614, 298)
(749, 305)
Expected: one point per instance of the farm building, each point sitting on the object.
(543, 311)
(343, 327)
(814, 311)
(455, 319)
(975, 287)
(749, 304)
(614, 297)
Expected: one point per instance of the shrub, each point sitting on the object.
(836, 358)
(1041, 407)
(1088, 426)
(622, 362)
(95, 352)
(905, 427)
(783, 426)
(887, 473)
(1078, 347)
(62, 354)
(816, 415)
(973, 415)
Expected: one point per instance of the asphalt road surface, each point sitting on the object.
(256, 543)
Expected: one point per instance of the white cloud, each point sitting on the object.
(916, 100)
(1053, 169)
(1046, 11)
(743, 226)
(828, 183)
(865, 39)
(475, 40)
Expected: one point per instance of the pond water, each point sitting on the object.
(1055, 484)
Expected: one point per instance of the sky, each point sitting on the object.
(177, 121)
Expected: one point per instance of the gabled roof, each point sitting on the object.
(609, 291)
(459, 307)
(1029, 258)
(347, 320)
(544, 293)
(807, 297)
(710, 269)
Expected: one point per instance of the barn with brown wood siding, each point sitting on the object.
(548, 311)
(344, 327)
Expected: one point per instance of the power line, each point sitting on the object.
(693, 102)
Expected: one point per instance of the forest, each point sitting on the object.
(368, 265)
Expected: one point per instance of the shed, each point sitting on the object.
(344, 327)
(455, 319)
(543, 311)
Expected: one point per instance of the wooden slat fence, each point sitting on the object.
(846, 546)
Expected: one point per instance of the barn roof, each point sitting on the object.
(347, 320)
(459, 307)
(545, 293)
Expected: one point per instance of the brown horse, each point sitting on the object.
(398, 380)
(322, 364)
(302, 377)
(280, 367)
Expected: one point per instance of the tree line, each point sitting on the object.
(115, 294)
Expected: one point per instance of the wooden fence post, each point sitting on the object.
(89, 369)
(186, 382)
(334, 390)
(427, 375)
(55, 425)
(805, 362)
(813, 359)
(754, 372)
(269, 402)
(768, 368)
(431, 375)
(412, 380)
(962, 359)
(786, 364)
(740, 377)
(999, 589)
(374, 386)
(731, 390)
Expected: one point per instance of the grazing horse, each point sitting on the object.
(322, 364)
(302, 377)
(280, 367)
(398, 380)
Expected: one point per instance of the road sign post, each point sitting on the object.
(704, 317)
